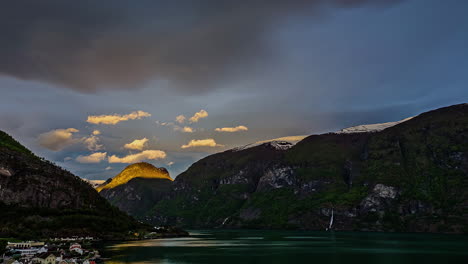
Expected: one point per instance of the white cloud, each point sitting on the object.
(232, 129)
(93, 158)
(96, 132)
(137, 144)
(116, 118)
(209, 142)
(92, 143)
(170, 163)
(57, 139)
(198, 115)
(180, 119)
(144, 155)
(108, 168)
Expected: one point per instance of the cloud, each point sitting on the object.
(93, 158)
(116, 118)
(187, 129)
(232, 129)
(92, 144)
(108, 168)
(198, 115)
(165, 123)
(170, 163)
(96, 132)
(180, 119)
(209, 142)
(144, 155)
(184, 129)
(58, 139)
(137, 144)
(96, 45)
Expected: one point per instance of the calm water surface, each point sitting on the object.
(294, 247)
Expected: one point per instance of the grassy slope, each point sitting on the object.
(9, 142)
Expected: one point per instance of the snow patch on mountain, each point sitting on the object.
(370, 127)
(282, 143)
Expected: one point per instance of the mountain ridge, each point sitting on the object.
(136, 188)
(40, 200)
(411, 177)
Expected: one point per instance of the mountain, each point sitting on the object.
(137, 170)
(410, 177)
(95, 183)
(371, 127)
(41, 200)
(137, 188)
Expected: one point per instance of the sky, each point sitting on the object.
(97, 85)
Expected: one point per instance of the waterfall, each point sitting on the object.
(331, 222)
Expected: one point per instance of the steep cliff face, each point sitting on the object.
(39, 199)
(137, 188)
(409, 177)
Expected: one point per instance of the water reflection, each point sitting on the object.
(287, 247)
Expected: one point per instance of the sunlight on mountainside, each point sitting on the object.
(137, 170)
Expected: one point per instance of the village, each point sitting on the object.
(55, 251)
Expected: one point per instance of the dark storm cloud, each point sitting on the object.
(89, 45)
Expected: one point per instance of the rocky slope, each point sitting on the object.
(409, 177)
(137, 188)
(39, 200)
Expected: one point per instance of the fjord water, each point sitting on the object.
(249, 246)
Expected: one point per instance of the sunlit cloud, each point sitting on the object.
(137, 144)
(232, 129)
(144, 155)
(116, 118)
(170, 163)
(96, 132)
(209, 142)
(184, 129)
(198, 115)
(57, 139)
(93, 158)
(187, 129)
(180, 119)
